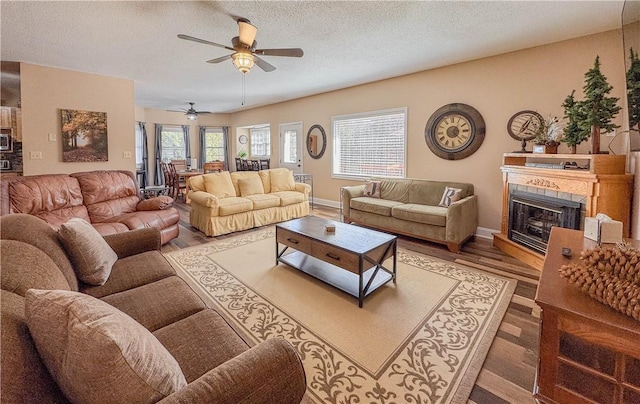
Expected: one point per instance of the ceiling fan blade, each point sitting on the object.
(263, 65)
(202, 112)
(194, 39)
(247, 32)
(291, 52)
(220, 59)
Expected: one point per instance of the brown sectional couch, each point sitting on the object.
(109, 200)
(217, 364)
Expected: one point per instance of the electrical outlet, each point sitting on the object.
(126, 154)
(35, 155)
(52, 137)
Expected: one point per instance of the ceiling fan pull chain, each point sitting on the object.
(243, 89)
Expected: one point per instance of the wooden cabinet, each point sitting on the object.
(589, 353)
(5, 117)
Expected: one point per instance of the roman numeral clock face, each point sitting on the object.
(454, 131)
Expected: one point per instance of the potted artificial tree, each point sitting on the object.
(573, 134)
(598, 108)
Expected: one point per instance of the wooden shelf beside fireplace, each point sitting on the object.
(600, 179)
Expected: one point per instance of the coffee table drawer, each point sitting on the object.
(293, 240)
(336, 256)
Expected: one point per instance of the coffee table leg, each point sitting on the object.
(360, 297)
(395, 254)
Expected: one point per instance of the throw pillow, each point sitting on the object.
(157, 203)
(219, 185)
(250, 186)
(450, 196)
(90, 254)
(96, 353)
(282, 180)
(372, 189)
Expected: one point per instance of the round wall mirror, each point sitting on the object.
(316, 141)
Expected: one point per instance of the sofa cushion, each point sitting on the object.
(159, 219)
(433, 215)
(219, 185)
(157, 203)
(110, 228)
(131, 272)
(25, 267)
(372, 189)
(264, 201)
(90, 254)
(449, 196)
(242, 175)
(157, 304)
(233, 205)
(427, 192)
(250, 186)
(282, 180)
(108, 193)
(373, 205)
(289, 197)
(96, 353)
(211, 342)
(34, 231)
(53, 197)
(25, 379)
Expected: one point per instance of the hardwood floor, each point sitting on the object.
(508, 373)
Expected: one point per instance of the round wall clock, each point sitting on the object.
(454, 131)
(243, 139)
(523, 126)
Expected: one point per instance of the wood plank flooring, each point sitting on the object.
(508, 373)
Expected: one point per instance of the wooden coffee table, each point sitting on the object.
(351, 259)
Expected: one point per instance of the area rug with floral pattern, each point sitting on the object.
(422, 339)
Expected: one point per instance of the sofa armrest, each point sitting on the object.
(303, 188)
(134, 241)
(347, 194)
(462, 219)
(204, 199)
(270, 372)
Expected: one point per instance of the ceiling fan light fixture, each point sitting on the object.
(191, 116)
(243, 61)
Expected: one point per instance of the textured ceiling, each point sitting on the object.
(345, 43)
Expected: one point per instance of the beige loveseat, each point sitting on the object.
(225, 202)
(411, 207)
(167, 346)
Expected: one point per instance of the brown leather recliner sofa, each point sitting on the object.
(218, 366)
(108, 199)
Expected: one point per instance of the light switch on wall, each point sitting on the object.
(52, 137)
(35, 155)
(126, 154)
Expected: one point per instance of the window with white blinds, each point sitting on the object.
(371, 144)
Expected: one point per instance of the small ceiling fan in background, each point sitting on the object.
(244, 48)
(191, 113)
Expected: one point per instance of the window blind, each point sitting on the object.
(371, 144)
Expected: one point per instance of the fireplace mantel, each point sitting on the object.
(601, 180)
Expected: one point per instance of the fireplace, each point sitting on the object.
(531, 217)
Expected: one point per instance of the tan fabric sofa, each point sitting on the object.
(218, 366)
(410, 207)
(225, 202)
(108, 199)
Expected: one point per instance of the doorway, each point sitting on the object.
(291, 146)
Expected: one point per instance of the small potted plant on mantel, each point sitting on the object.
(548, 136)
(573, 134)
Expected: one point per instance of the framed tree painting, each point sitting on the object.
(84, 136)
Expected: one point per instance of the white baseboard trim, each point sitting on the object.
(485, 232)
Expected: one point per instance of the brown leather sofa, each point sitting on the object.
(218, 366)
(109, 200)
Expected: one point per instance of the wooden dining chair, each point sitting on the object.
(264, 164)
(168, 179)
(180, 165)
(213, 166)
(179, 184)
(254, 165)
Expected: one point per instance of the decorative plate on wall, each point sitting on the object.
(455, 131)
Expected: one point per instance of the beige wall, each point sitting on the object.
(45, 91)
(538, 78)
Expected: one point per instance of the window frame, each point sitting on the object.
(221, 148)
(368, 114)
(178, 129)
(253, 143)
